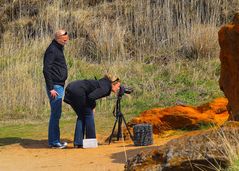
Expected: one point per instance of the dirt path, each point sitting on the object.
(31, 155)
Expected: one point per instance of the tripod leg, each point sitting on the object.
(113, 130)
(119, 134)
(131, 136)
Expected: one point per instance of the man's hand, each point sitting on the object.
(54, 94)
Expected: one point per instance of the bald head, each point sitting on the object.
(59, 33)
(61, 37)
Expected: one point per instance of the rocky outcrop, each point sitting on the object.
(178, 117)
(209, 150)
(229, 57)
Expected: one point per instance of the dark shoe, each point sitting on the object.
(78, 146)
(59, 145)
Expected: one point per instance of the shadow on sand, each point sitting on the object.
(26, 143)
(120, 157)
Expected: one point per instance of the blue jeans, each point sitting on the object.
(84, 123)
(56, 109)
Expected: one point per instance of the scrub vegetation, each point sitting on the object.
(166, 50)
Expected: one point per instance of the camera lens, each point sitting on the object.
(128, 90)
(124, 90)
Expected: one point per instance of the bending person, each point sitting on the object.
(82, 96)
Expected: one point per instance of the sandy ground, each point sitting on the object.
(34, 155)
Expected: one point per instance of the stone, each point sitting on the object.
(209, 150)
(143, 134)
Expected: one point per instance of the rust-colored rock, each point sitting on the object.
(178, 117)
(229, 57)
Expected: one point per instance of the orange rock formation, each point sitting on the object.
(229, 57)
(178, 117)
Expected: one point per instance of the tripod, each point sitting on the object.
(119, 117)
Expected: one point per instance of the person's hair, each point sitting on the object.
(113, 79)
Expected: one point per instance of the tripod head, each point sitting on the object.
(122, 90)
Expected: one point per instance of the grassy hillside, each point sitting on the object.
(166, 50)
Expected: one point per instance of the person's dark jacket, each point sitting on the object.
(84, 93)
(55, 68)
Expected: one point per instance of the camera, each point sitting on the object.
(124, 90)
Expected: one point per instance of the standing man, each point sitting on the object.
(55, 73)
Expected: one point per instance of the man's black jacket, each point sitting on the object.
(55, 68)
(84, 93)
